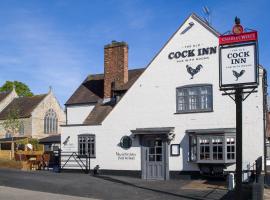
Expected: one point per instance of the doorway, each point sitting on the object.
(154, 158)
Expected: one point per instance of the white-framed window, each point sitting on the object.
(204, 143)
(87, 145)
(217, 148)
(230, 148)
(212, 148)
(194, 98)
(50, 122)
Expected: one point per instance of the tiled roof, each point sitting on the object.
(25, 106)
(3, 95)
(98, 114)
(91, 90)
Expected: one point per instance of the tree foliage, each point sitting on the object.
(12, 123)
(21, 88)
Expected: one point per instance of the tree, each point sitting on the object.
(21, 88)
(12, 123)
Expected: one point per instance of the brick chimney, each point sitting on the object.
(115, 66)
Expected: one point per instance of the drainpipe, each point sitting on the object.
(264, 85)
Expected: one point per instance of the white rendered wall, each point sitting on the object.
(151, 102)
(77, 114)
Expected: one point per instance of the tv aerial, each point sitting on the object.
(207, 14)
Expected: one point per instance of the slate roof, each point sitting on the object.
(98, 114)
(3, 95)
(25, 106)
(91, 90)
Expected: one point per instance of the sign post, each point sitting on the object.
(239, 159)
(238, 73)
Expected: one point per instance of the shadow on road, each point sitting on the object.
(107, 178)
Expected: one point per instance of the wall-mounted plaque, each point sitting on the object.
(126, 142)
(175, 149)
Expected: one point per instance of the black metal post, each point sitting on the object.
(238, 102)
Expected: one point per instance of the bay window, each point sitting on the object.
(211, 147)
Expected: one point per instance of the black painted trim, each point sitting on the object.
(131, 173)
(185, 175)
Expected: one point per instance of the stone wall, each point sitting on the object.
(49, 102)
(27, 124)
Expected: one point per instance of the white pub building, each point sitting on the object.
(164, 120)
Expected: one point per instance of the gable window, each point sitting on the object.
(87, 145)
(50, 122)
(194, 98)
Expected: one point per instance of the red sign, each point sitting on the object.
(243, 37)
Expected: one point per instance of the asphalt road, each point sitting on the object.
(8, 193)
(103, 187)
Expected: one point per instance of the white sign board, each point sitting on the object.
(238, 65)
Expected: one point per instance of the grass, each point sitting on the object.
(6, 163)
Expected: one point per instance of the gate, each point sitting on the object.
(72, 160)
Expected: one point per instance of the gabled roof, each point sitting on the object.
(3, 95)
(92, 88)
(25, 106)
(205, 24)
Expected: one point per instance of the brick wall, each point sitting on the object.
(115, 66)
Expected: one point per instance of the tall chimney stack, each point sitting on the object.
(115, 66)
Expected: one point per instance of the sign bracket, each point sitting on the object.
(243, 92)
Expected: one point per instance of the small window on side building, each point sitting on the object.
(87, 145)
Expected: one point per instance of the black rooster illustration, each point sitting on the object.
(192, 71)
(238, 74)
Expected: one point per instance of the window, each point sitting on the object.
(204, 148)
(193, 148)
(8, 135)
(21, 128)
(212, 148)
(87, 145)
(50, 122)
(217, 145)
(230, 148)
(194, 99)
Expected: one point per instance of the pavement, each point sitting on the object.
(266, 194)
(50, 185)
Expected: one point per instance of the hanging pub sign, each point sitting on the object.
(238, 59)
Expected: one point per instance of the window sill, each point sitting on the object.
(192, 112)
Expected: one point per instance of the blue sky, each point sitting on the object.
(58, 43)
